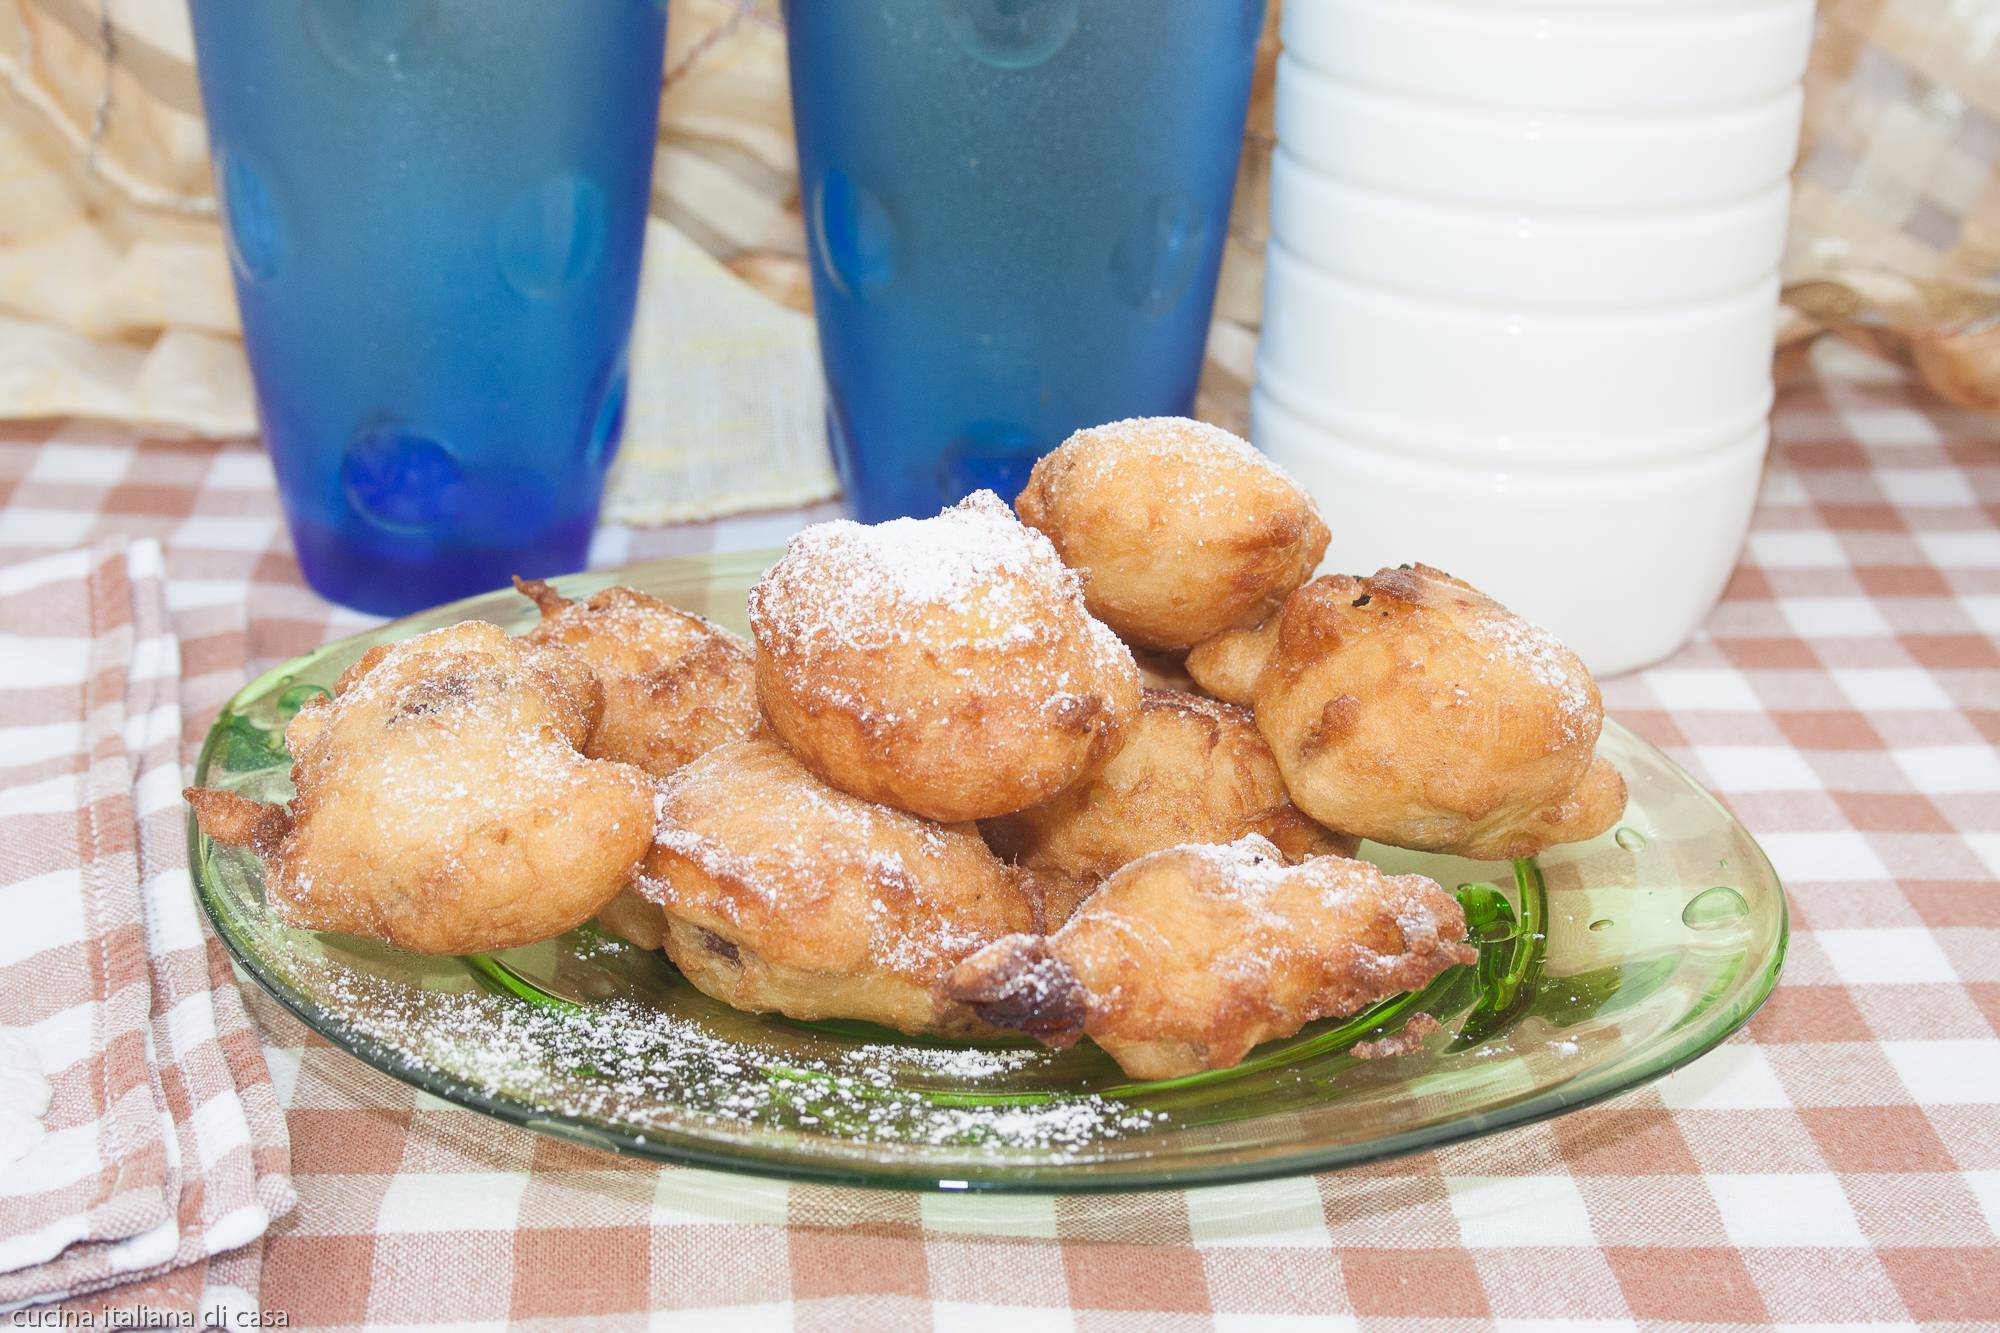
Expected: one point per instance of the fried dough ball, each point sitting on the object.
(1060, 895)
(782, 893)
(1227, 666)
(635, 918)
(1412, 709)
(442, 804)
(675, 686)
(1191, 770)
(946, 666)
(1186, 959)
(1182, 529)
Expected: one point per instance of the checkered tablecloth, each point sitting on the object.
(1836, 1164)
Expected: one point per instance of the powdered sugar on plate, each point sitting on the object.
(968, 1064)
(640, 1070)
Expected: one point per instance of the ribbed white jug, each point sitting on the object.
(1522, 291)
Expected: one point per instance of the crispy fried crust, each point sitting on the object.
(1411, 709)
(442, 805)
(1188, 958)
(944, 666)
(1191, 770)
(783, 893)
(239, 821)
(635, 918)
(1228, 665)
(1182, 529)
(675, 686)
(1018, 983)
(1057, 896)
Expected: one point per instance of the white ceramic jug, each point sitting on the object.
(1522, 291)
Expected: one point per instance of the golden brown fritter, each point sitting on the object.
(946, 666)
(1412, 709)
(1182, 529)
(1059, 895)
(675, 685)
(1188, 958)
(1191, 770)
(1227, 666)
(782, 893)
(635, 918)
(442, 804)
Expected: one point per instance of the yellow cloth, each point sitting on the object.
(115, 297)
(115, 300)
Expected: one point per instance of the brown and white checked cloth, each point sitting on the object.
(1838, 1164)
(163, 1143)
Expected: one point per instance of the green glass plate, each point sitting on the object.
(1602, 965)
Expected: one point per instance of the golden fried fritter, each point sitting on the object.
(946, 666)
(1059, 895)
(675, 685)
(1182, 529)
(635, 918)
(1186, 959)
(782, 893)
(1191, 770)
(1412, 709)
(1227, 666)
(442, 805)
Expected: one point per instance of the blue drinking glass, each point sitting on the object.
(434, 211)
(1016, 211)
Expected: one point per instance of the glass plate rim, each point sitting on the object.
(1585, 1089)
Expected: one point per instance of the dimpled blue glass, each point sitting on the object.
(1015, 210)
(434, 211)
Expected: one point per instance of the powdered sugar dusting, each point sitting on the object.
(971, 603)
(644, 1071)
(449, 734)
(962, 1063)
(885, 867)
(1251, 867)
(1271, 898)
(1528, 647)
(848, 585)
(622, 628)
(1181, 439)
(1201, 462)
